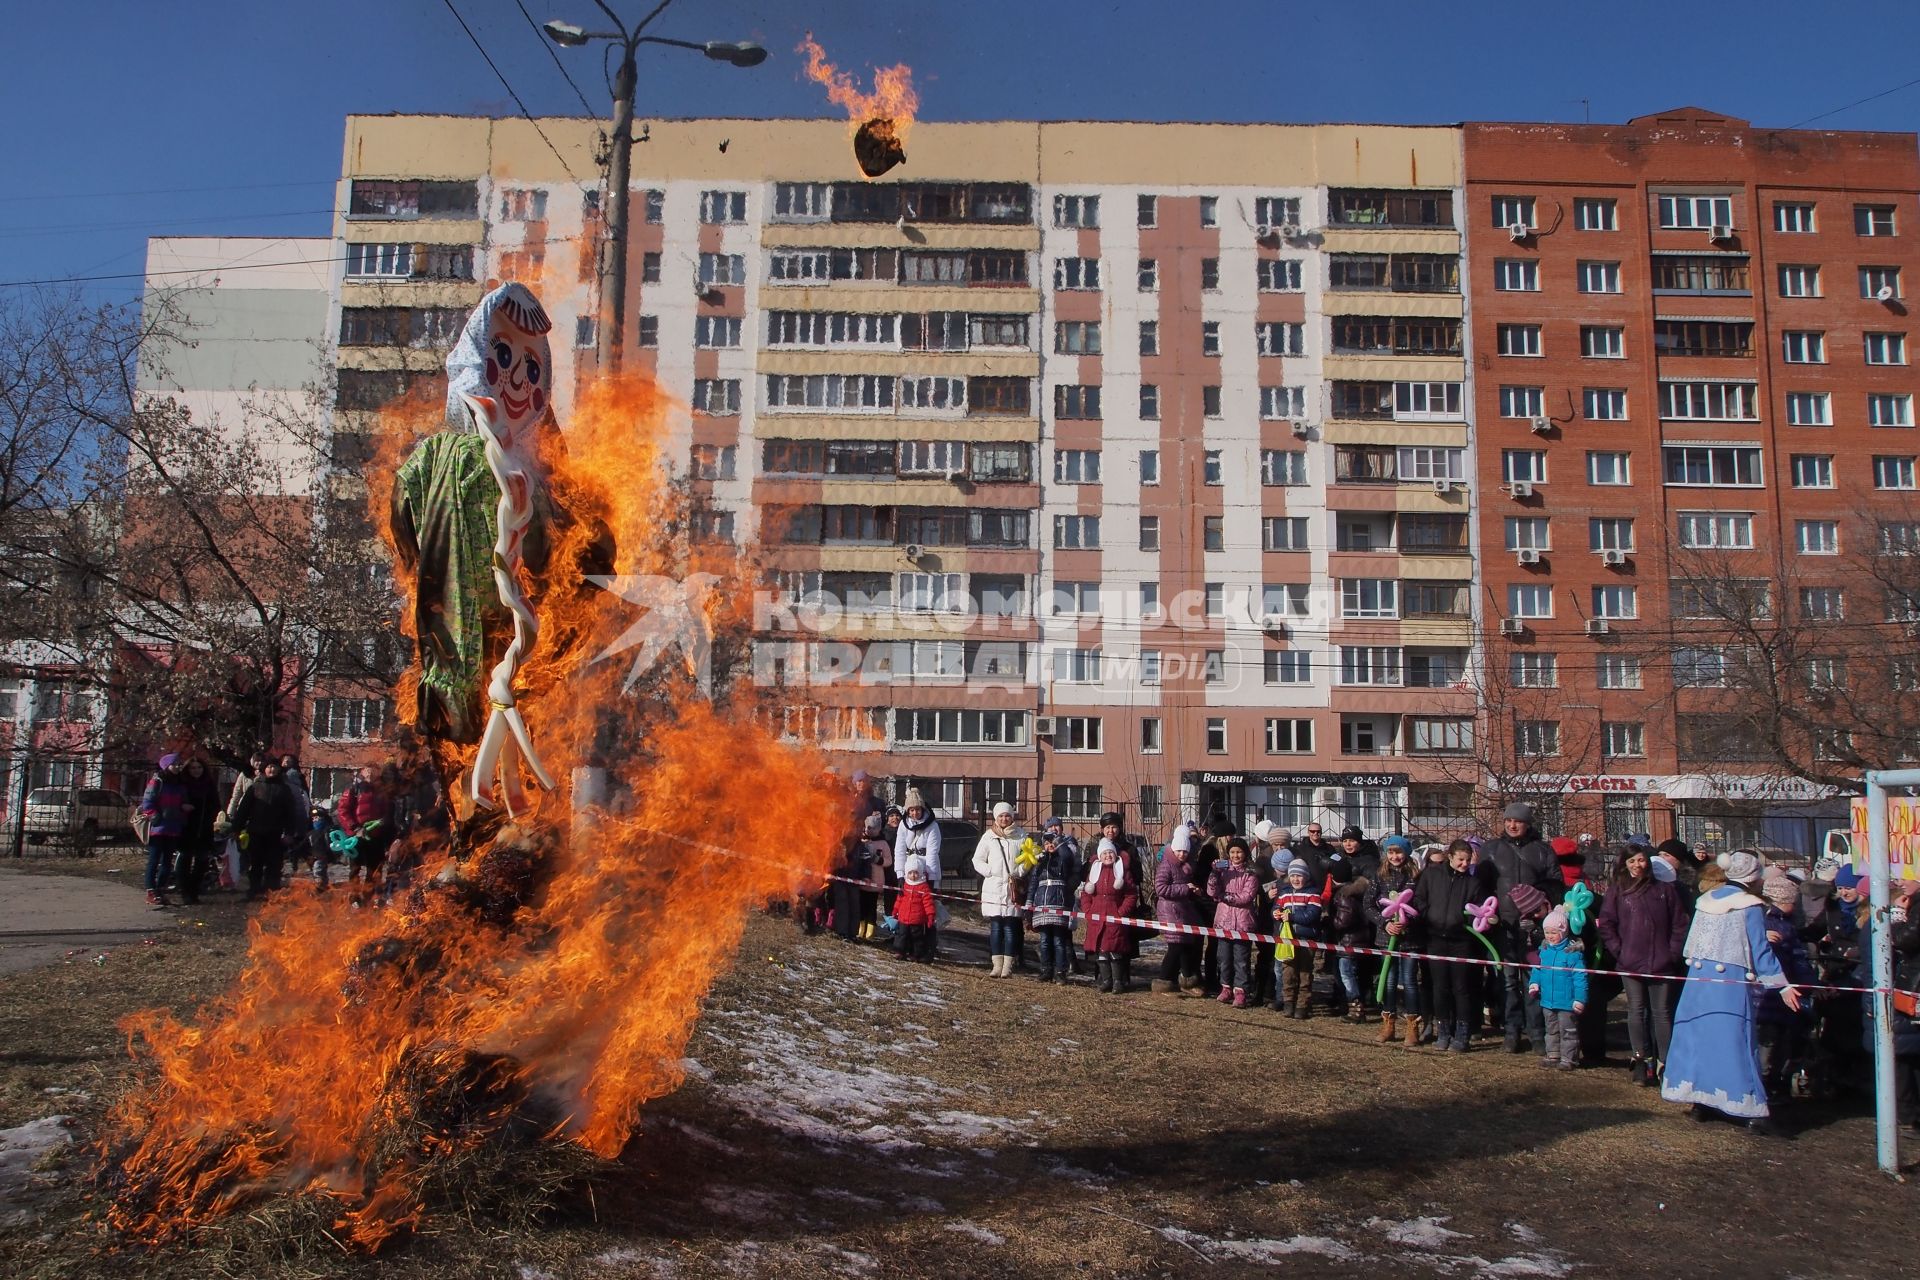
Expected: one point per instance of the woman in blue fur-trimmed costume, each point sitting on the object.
(1714, 1063)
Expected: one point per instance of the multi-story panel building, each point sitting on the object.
(1133, 459)
(1690, 340)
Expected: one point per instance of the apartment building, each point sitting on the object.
(1691, 346)
(1096, 465)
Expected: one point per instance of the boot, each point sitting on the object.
(1460, 1037)
(1637, 1070)
(994, 965)
(1189, 982)
(1239, 997)
(1123, 976)
(1413, 1033)
(1386, 1028)
(1103, 971)
(1226, 995)
(1163, 987)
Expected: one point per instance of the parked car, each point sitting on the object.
(78, 816)
(958, 838)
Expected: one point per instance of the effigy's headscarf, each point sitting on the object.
(503, 353)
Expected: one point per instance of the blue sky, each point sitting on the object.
(218, 117)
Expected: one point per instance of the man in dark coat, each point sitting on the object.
(1315, 850)
(271, 817)
(1518, 855)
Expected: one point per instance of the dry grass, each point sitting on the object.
(852, 1114)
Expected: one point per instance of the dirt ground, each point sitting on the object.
(846, 1113)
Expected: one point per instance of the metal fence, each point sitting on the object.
(65, 804)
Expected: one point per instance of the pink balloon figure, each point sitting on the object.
(1483, 914)
(1399, 906)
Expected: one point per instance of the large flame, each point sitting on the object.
(879, 121)
(553, 979)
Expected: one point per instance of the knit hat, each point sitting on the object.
(1262, 829)
(1780, 891)
(1518, 811)
(1182, 840)
(1827, 867)
(1563, 846)
(1397, 842)
(914, 799)
(1003, 810)
(169, 760)
(1743, 868)
(916, 867)
(1640, 840)
(1678, 848)
(1297, 867)
(1341, 870)
(1846, 877)
(872, 825)
(1556, 920)
(1528, 901)
(1052, 823)
(1351, 832)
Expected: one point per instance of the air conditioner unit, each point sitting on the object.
(1263, 232)
(1720, 232)
(1273, 624)
(1330, 797)
(913, 551)
(1597, 626)
(1521, 488)
(1443, 486)
(1884, 293)
(1289, 231)
(1527, 555)
(1540, 426)
(1613, 557)
(1043, 726)
(1519, 231)
(1513, 626)
(1301, 428)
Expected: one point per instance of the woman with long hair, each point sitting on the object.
(1643, 922)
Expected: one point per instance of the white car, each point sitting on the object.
(79, 816)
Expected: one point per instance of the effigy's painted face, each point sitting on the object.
(517, 371)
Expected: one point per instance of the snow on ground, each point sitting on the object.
(22, 1148)
(974, 1231)
(1423, 1238)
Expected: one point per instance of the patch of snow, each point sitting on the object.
(692, 1068)
(746, 1203)
(859, 1264)
(528, 1272)
(1525, 1234)
(1271, 1252)
(21, 1149)
(1545, 1263)
(1072, 1173)
(975, 1231)
(625, 1257)
(963, 1126)
(921, 1204)
(1416, 1233)
(845, 1196)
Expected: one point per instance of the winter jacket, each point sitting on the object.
(1300, 908)
(1528, 860)
(1178, 896)
(996, 860)
(165, 804)
(363, 803)
(1349, 911)
(1441, 895)
(1102, 897)
(914, 904)
(1233, 893)
(203, 795)
(1315, 856)
(1560, 976)
(268, 812)
(1906, 976)
(1050, 886)
(924, 840)
(1365, 858)
(1644, 929)
(1390, 883)
(1791, 952)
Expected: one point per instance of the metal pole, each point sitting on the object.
(1880, 938)
(611, 340)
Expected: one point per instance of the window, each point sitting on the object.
(1809, 409)
(1536, 737)
(1823, 604)
(1276, 211)
(1076, 338)
(408, 199)
(716, 331)
(1149, 337)
(831, 329)
(1531, 670)
(801, 202)
(1283, 533)
(523, 205)
(722, 268)
(1150, 666)
(1289, 737)
(1209, 274)
(1148, 212)
(1886, 348)
(1149, 466)
(716, 397)
(1213, 533)
(1734, 466)
(1369, 598)
(1149, 275)
(1804, 346)
(1528, 533)
(1709, 401)
(1799, 281)
(1210, 400)
(996, 463)
(723, 207)
(1415, 401)
(1622, 738)
(1209, 211)
(1513, 211)
(1516, 275)
(1892, 472)
(713, 461)
(1278, 275)
(1437, 735)
(364, 260)
(930, 458)
(1076, 211)
(1700, 668)
(1816, 537)
(1793, 218)
(1528, 466)
(1282, 402)
(1371, 665)
(1150, 600)
(1150, 737)
(1873, 219)
(1716, 530)
(1080, 802)
(1280, 338)
(1283, 466)
(1076, 273)
(655, 203)
(1522, 402)
(1289, 666)
(1592, 213)
(1210, 467)
(1209, 337)
(835, 390)
(932, 393)
(1609, 468)
(1149, 533)
(1076, 401)
(1366, 736)
(963, 728)
(1815, 470)
(1610, 533)
(1686, 212)
(1616, 602)
(1715, 338)
(1149, 401)
(1519, 339)
(1285, 600)
(1076, 597)
(1617, 671)
(930, 593)
(1216, 735)
(1599, 277)
(348, 719)
(1076, 532)
(1605, 404)
(1712, 600)
(1076, 666)
(1602, 342)
(1889, 410)
(1529, 600)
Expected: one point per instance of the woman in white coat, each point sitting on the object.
(919, 833)
(997, 860)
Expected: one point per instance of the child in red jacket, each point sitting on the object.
(913, 913)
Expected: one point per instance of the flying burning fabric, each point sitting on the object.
(880, 120)
(544, 982)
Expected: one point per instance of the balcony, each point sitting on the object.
(1389, 209)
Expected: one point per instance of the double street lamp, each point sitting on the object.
(610, 340)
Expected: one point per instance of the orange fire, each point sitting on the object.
(879, 121)
(550, 979)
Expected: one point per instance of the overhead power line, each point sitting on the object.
(547, 44)
(511, 91)
(1859, 102)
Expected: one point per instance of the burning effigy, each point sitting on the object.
(534, 982)
(879, 120)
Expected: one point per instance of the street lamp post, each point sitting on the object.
(610, 340)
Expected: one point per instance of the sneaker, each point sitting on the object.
(153, 898)
(1565, 1066)
(1549, 1063)
(1226, 995)
(1239, 999)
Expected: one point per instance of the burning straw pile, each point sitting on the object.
(508, 1021)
